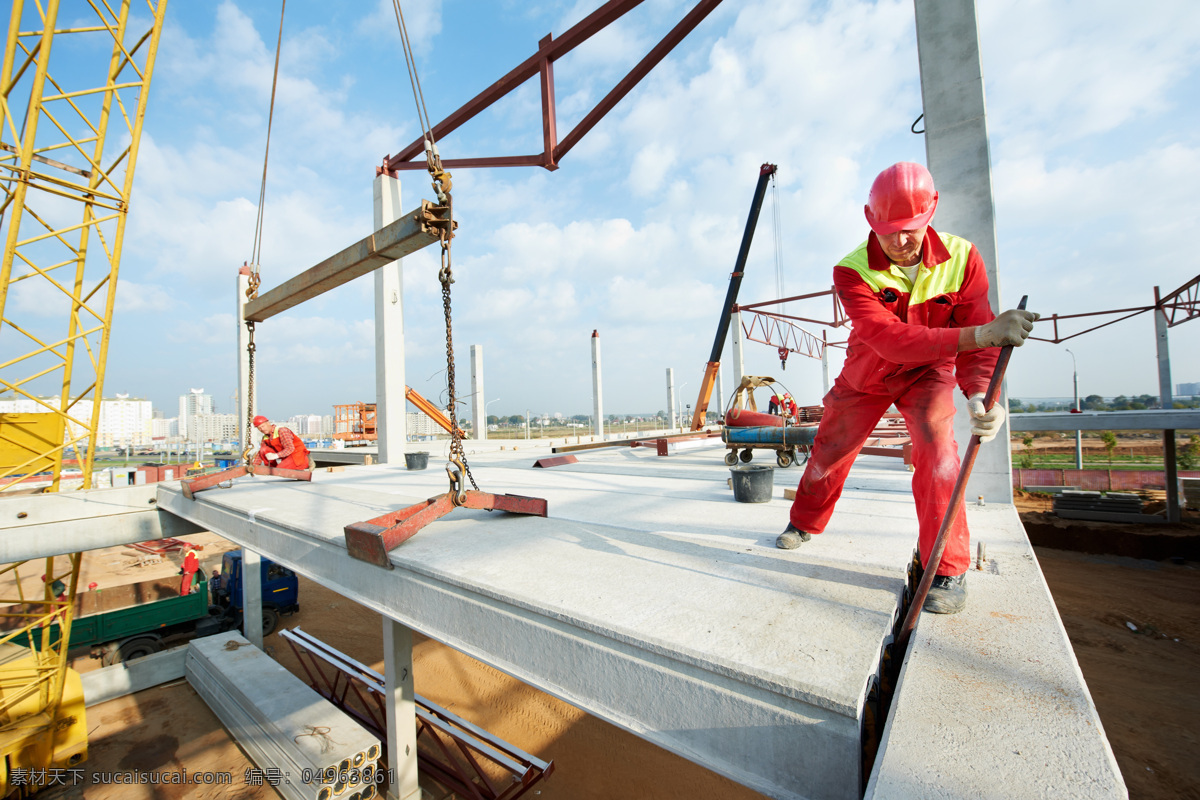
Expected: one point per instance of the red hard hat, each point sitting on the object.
(259, 420)
(902, 199)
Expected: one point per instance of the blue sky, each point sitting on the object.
(1094, 149)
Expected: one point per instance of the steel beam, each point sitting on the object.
(1153, 419)
(410, 233)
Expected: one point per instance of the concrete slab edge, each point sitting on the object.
(109, 683)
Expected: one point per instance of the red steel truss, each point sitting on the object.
(541, 63)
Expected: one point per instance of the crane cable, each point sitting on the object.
(777, 237)
(442, 184)
(256, 250)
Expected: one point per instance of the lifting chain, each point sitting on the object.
(250, 348)
(458, 466)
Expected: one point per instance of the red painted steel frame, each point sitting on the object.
(193, 485)
(542, 63)
(360, 692)
(372, 540)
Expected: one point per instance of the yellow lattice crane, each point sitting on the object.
(73, 89)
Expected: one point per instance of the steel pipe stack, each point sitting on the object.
(307, 748)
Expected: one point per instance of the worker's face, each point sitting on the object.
(903, 247)
(265, 428)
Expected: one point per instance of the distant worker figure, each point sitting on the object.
(214, 585)
(188, 571)
(775, 403)
(918, 301)
(790, 409)
(280, 447)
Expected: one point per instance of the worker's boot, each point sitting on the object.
(791, 538)
(947, 595)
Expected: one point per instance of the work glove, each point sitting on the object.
(1011, 327)
(272, 456)
(984, 424)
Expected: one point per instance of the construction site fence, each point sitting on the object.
(1097, 480)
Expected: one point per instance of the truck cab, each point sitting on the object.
(280, 589)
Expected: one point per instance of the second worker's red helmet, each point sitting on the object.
(259, 420)
(902, 198)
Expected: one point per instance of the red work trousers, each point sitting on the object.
(849, 418)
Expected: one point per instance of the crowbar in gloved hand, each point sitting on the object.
(956, 501)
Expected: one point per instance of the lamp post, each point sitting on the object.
(485, 415)
(679, 404)
(1078, 434)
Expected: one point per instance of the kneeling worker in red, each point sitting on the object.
(280, 447)
(918, 301)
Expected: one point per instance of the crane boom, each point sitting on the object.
(765, 173)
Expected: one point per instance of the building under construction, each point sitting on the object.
(628, 581)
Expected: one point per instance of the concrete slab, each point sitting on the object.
(649, 597)
(991, 701)
(652, 599)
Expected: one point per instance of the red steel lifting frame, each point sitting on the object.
(372, 540)
(542, 63)
(360, 692)
(193, 485)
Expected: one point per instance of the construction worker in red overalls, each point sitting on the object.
(280, 447)
(918, 301)
(188, 570)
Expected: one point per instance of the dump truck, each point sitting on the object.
(133, 620)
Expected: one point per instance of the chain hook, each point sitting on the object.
(455, 469)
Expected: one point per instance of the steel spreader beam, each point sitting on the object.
(410, 233)
(193, 485)
(372, 540)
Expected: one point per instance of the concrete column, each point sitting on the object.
(597, 391)
(1166, 400)
(401, 709)
(478, 404)
(243, 358)
(956, 147)
(390, 420)
(824, 363)
(671, 397)
(252, 597)
(739, 362)
(720, 394)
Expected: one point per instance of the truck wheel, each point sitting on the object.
(783, 459)
(134, 648)
(731, 458)
(746, 455)
(270, 619)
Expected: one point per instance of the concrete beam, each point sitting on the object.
(406, 235)
(990, 703)
(53, 524)
(1154, 419)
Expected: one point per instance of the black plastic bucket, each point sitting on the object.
(416, 460)
(753, 483)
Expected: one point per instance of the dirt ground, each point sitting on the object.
(1134, 623)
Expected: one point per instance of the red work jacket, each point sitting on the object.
(902, 330)
(296, 459)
